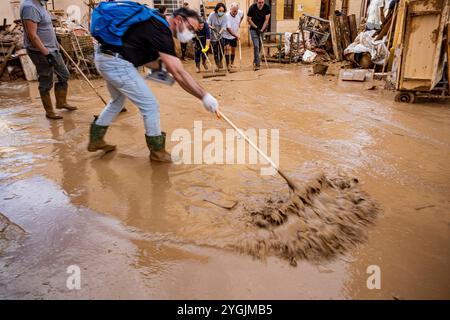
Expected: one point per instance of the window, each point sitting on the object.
(288, 9)
(171, 5)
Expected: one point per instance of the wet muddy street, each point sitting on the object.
(142, 230)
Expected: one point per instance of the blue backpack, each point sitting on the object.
(110, 20)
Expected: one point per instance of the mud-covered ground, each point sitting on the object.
(141, 230)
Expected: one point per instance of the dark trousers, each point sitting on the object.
(218, 47)
(198, 54)
(45, 71)
(183, 49)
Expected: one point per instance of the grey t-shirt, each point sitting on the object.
(34, 11)
(218, 23)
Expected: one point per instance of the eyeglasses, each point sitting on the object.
(189, 25)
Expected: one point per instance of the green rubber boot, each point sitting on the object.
(96, 141)
(157, 145)
(61, 97)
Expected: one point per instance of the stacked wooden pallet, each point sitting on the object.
(343, 31)
(14, 61)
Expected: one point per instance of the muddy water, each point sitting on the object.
(141, 230)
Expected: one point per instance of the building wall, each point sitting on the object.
(311, 7)
(7, 9)
(354, 7)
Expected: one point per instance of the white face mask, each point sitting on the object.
(185, 35)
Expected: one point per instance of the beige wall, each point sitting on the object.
(354, 7)
(300, 6)
(6, 11)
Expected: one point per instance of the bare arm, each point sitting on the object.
(249, 19)
(184, 79)
(232, 33)
(266, 23)
(154, 65)
(31, 30)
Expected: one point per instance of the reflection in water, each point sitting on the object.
(73, 168)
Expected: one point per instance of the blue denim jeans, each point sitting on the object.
(124, 81)
(256, 46)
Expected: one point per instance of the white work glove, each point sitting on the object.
(210, 103)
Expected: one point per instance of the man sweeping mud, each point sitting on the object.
(132, 35)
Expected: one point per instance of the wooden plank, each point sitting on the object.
(438, 63)
(331, 9)
(385, 26)
(399, 44)
(345, 31)
(353, 27)
(335, 37)
(28, 67)
(422, 45)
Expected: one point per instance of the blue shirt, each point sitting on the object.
(204, 33)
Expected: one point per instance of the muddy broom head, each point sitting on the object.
(320, 219)
(330, 215)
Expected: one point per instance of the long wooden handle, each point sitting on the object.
(206, 55)
(240, 54)
(250, 142)
(82, 73)
(264, 53)
(291, 184)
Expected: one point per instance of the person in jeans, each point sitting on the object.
(43, 49)
(217, 21)
(258, 17)
(145, 43)
(201, 45)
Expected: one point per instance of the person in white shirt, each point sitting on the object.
(231, 34)
(386, 7)
(375, 14)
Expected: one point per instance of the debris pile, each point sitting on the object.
(78, 43)
(15, 64)
(14, 61)
(343, 31)
(310, 43)
(365, 51)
